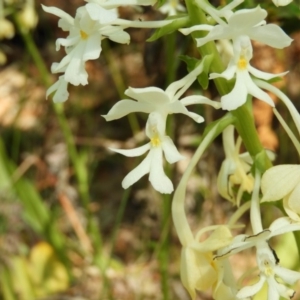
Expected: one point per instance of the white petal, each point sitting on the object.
(171, 153)
(271, 35)
(132, 152)
(204, 27)
(60, 87)
(218, 32)
(100, 14)
(92, 48)
(59, 13)
(227, 74)
(294, 199)
(157, 176)
(125, 107)
(279, 181)
(194, 99)
(120, 36)
(273, 286)
(177, 88)
(293, 216)
(283, 225)
(247, 18)
(251, 290)
(288, 276)
(151, 95)
(263, 75)
(237, 97)
(255, 91)
(156, 125)
(133, 176)
(178, 108)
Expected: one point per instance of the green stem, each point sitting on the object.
(80, 171)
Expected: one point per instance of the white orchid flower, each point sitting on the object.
(153, 163)
(270, 271)
(166, 102)
(240, 67)
(198, 270)
(235, 169)
(172, 7)
(267, 261)
(283, 182)
(84, 40)
(249, 22)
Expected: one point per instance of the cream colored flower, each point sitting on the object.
(7, 30)
(283, 182)
(235, 169)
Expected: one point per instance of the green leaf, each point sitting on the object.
(191, 64)
(179, 21)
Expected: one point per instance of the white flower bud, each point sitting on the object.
(7, 30)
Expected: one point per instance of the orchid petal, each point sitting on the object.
(264, 75)
(171, 153)
(237, 97)
(217, 33)
(279, 181)
(194, 99)
(120, 36)
(137, 173)
(157, 176)
(201, 27)
(271, 35)
(196, 271)
(149, 95)
(247, 18)
(227, 74)
(255, 91)
(60, 88)
(100, 14)
(59, 13)
(133, 152)
(283, 225)
(288, 276)
(92, 47)
(294, 199)
(249, 291)
(177, 88)
(125, 107)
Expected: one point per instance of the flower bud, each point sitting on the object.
(7, 30)
(28, 17)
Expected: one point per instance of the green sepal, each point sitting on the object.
(179, 21)
(191, 64)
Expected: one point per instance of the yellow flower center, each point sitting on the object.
(268, 269)
(83, 35)
(174, 3)
(155, 141)
(242, 63)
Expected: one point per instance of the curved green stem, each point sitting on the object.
(80, 170)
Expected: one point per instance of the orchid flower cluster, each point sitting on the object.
(245, 179)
